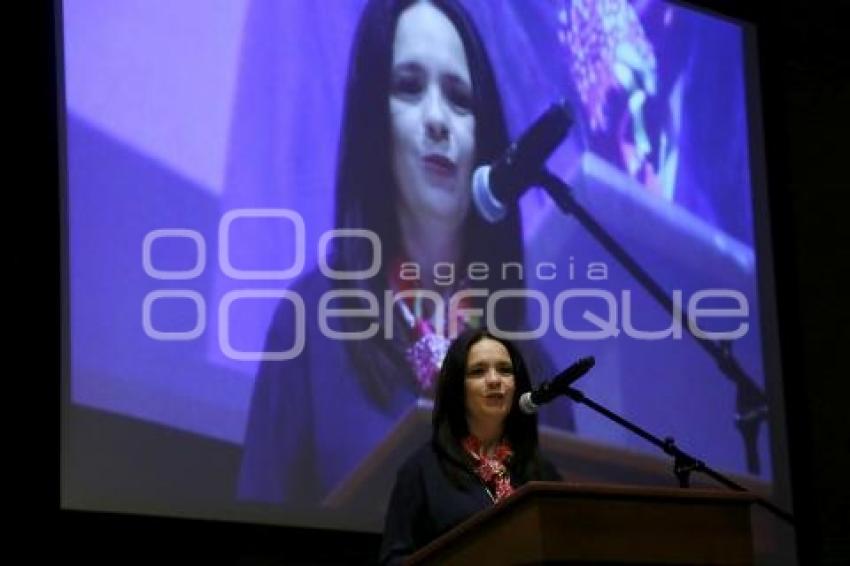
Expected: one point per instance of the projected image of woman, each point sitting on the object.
(422, 110)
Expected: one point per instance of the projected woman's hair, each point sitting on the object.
(422, 110)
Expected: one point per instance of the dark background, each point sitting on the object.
(804, 53)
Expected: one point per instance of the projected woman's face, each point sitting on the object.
(431, 115)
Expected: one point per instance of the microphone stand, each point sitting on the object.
(751, 403)
(683, 463)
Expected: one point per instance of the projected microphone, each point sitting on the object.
(508, 177)
(531, 401)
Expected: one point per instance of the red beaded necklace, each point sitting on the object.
(429, 326)
(491, 468)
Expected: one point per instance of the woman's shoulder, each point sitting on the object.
(421, 457)
(312, 283)
(305, 292)
(424, 460)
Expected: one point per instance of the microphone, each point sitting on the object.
(508, 177)
(531, 401)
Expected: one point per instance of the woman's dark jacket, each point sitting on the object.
(425, 502)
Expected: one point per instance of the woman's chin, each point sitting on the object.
(445, 203)
(496, 411)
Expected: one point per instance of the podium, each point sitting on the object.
(553, 522)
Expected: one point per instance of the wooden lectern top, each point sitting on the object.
(601, 524)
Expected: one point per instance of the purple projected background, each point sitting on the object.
(180, 112)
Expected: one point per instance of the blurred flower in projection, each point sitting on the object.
(609, 50)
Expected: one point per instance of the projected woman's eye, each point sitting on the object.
(408, 82)
(458, 93)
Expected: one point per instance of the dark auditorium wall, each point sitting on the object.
(807, 90)
(805, 86)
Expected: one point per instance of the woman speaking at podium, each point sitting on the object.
(482, 446)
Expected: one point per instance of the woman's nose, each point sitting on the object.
(436, 121)
(492, 378)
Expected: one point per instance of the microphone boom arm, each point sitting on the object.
(751, 402)
(683, 463)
